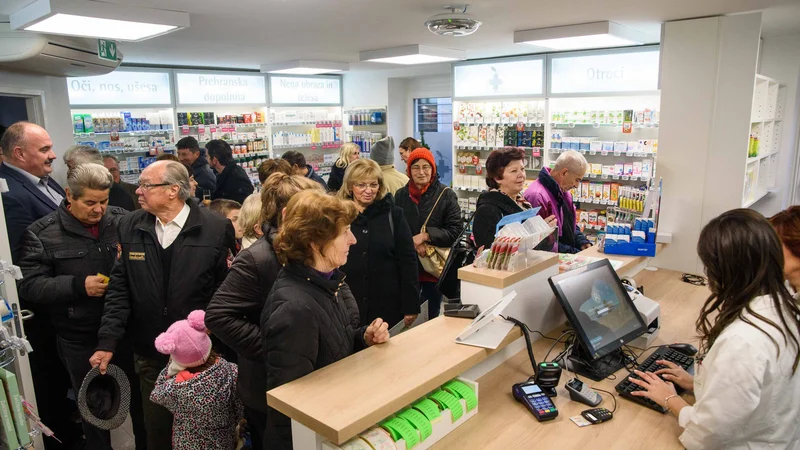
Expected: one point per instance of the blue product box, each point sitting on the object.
(583, 146)
(574, 145)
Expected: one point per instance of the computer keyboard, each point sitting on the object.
(625, 387)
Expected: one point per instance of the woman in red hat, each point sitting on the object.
(423, 199)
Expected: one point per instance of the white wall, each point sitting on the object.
(57, 118)
(707, 76)
(396, 89)
(780, 59)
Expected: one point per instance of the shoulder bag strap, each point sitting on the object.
(425, 225)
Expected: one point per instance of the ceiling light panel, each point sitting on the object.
(97, 19)
(413, 54)
(584, 36)
(304, 67)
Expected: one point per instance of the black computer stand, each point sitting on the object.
(580, 362)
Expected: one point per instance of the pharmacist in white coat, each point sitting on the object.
(747, 385)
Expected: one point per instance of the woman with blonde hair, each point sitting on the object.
(234, 313)
(382, 264)
(305, 324)
(249, 220)
(348, 153)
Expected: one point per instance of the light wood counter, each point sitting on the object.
(503, 423)
(341, 400)
(349, 396)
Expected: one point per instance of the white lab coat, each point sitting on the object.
(747, 397)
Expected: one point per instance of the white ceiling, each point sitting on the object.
(248, 33)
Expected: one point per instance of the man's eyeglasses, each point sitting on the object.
(149, 186)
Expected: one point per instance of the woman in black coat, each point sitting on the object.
(417, 199)
(234, 312)
(306, 322)
(382, 264)
(348, 153)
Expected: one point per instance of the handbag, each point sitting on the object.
(462, 253)
(435, 257)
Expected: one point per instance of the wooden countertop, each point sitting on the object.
(349, 396)
(504, 278)
(503, 423)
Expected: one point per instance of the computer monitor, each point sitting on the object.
(598, 307)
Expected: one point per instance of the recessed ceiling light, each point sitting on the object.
(574, 37)
(413, 54)
(303, 67)
(97, 19)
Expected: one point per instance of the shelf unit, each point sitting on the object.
(314, 131)
(763, 148)
(365, 125)
(558, 118)
(135, 149)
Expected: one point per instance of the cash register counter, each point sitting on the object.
(346, 398)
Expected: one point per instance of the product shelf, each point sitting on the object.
(607, 153)
(636, 125)
(314, 146)
(122, 133)
(321, 124)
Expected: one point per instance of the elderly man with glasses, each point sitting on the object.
(171, 259)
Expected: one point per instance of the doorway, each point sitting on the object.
(433, 122)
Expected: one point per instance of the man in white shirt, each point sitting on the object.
(171, 259)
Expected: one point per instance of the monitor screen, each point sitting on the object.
(597, 305)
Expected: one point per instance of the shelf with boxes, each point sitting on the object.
(364, 126)
(764, 144)
(314, 131)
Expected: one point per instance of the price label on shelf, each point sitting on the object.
(604, 153)
(201, 129)
(185, 129)
(626, 177)
(591, 152)
(615, 177)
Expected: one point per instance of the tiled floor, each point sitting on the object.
(122, 437)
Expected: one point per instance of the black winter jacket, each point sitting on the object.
(491, 207)
(306, 325)
(57, 254)
(118, 196)
(445, 223)
(233, 184)
(382, 264)
(204, 175)
(137, 298)
(336, 177)
(234, 314)
(314, 177)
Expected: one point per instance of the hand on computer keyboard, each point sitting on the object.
(652, 386)
(675, 373)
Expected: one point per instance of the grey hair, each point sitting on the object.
(88, 176)
(573, 161)
(110, 156)
(176, 173)
(82, 154)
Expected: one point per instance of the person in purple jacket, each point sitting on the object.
(551, 193)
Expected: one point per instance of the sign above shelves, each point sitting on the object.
(121, 88)
(607, 72)
(311, 91)
(499, 78)
(210, 89)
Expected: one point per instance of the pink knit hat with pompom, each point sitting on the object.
(186, 341)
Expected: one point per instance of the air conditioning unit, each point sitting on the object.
(22, 51)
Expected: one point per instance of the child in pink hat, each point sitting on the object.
(197, 387)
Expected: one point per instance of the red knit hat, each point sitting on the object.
(421, 153)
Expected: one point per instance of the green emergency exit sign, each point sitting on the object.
(107, 49)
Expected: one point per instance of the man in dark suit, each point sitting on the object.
(32, 194)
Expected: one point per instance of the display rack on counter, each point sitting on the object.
(764, 145)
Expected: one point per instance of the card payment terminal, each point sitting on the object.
(537, 402)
